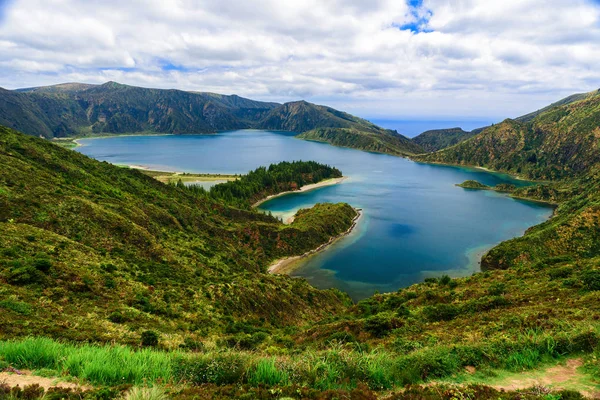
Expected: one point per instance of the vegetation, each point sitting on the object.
(267, 181)
(438, 139)
(94, 252)
(558, 143)
(379, 140)
(173, 278)
(470, 184)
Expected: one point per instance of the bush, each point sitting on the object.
(220, 369)
(379, 325)
(445, 280)
(497, 289)
(441, 312)
(192, 345)
(24, 275)
(149, 339)
(17, 306)
(42, 265)
(341, 337)
(117, 317)
(591, 279)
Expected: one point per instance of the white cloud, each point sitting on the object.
(471, 58)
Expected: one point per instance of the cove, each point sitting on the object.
(416, 223)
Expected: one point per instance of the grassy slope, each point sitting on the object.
(83, 240)
(438, 139)
(380, 141)
(562, 142)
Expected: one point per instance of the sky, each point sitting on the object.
(380, 59)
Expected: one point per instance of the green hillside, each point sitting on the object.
(90, 251)
(379, 141)
(561, 142)
(438, 139)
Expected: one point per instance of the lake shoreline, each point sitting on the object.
(305, 188)
(288, 264)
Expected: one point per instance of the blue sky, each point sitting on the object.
(386, 59)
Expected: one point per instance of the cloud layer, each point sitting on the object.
(386, 58)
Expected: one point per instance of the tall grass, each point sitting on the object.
(335, 368)
(99, 364)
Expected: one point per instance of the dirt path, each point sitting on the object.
(562, 376)
(25, 378)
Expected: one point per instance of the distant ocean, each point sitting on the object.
(412, 128)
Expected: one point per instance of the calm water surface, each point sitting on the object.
(416, 222)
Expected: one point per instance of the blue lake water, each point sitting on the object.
(416, 223)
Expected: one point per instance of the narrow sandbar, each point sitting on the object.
(305, 188)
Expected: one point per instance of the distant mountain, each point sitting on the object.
(71, 109)
(562, 141)
(75, 108)
(301, 116)
(438, 139)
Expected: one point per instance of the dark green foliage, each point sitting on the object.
(471, 184)
(277, 178)
(16, 306)
(591, 279)
(149, 339)
(380, 325)
(441, 312)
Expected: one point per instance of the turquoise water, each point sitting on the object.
(416, 223)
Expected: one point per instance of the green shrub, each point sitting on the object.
(149, 339)
(246, 342)
(445, 280)
(560, 273)
(17, 306)
(341, 337)
(42, 264)
(379, 325)
(497, 289)
(24, 275)
(591, 279)
(192, 345)
(117, 317)
(441, 312)
(220, 369)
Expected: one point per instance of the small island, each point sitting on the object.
(475, 185)
(471, 184)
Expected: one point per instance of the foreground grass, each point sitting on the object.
(339, 367)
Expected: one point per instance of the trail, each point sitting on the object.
(24, 378)
(565, 376)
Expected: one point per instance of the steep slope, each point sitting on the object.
(438, 139)
(90, 250)
(567, 100)
(562, 142)
(302, 116)
(324, 124)
(74, 108)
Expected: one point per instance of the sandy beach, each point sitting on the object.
(304, 188)
(286, 265)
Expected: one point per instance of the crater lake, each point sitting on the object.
(416, 223)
